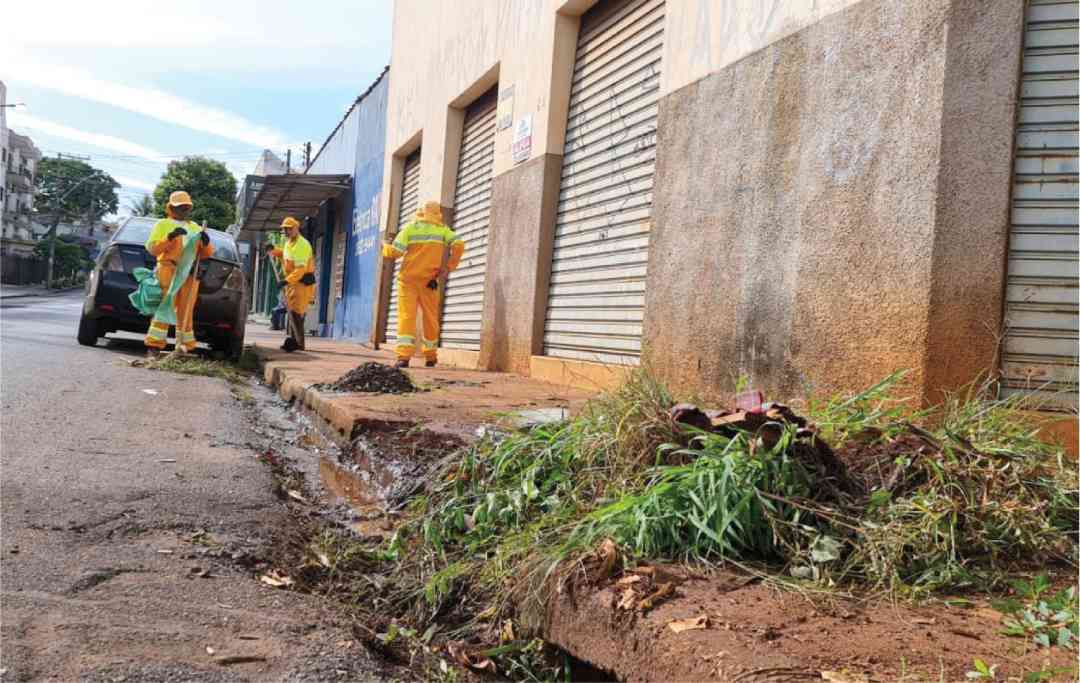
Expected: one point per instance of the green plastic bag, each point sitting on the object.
(147, 297)
(165, 310)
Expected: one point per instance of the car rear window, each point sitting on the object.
(138, 230)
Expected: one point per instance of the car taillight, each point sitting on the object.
(114, 261)
(235, 281)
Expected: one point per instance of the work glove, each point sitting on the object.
(178, 232)
(433, 285)
(308, 279)
(205, 237)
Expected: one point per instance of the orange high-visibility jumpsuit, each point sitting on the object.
(167, 253)
(421, 243)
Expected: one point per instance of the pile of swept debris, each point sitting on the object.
(372, 378)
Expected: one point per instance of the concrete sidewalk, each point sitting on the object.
(20, 291)
(452, 400)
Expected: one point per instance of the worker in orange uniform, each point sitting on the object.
(166, 243)
(430, 250)
(298, 264)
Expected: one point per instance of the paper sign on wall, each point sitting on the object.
(504, 115)
(522, 146)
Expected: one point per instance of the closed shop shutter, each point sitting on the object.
(1041, 312)
(409, 205)
(464, 303)
(597, 292)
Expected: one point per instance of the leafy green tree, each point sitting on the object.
(211, 186)
(70, 258)
(87, 192)
(144, 206)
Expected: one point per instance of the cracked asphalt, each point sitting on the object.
(133, 517)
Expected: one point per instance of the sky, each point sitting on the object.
(134, 84)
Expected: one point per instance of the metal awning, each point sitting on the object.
(293, 195)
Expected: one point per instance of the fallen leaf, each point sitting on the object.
(663, 591)
(276, 579)
(692, 624)
(628, 599)
(487, 614)
(628, 580)
(345, 644)
(923, 620)
(507, 633)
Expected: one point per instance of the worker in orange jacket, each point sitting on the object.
(430, 250)
(298, 264)
(166, 244)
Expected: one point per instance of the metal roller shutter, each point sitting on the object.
(596, 299)
(464, 303)
(407, 208)
(1041, 311)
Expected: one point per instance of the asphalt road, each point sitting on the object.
(120, 485)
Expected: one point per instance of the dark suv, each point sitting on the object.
(220, 314)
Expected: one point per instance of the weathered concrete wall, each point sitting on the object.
(523, 203)
(974, 183)
(799, 237)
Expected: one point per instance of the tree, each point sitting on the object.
(143, 206)
(211, 186)
(68, 189)
(70, 258)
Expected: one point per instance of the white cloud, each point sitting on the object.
(150, 102)
(20, 121)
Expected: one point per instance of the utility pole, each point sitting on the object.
(56, 223)
(307, 156)
(288, 160)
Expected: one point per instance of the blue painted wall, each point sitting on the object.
(355, 310)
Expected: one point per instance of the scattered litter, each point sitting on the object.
(210, 650)
(246, 637)
(924, 621)
(296, 495)
(152, 392)
(199, 573)
(374, 378)
(276, 579)
(692, 624)
(477, 662)
(164, 551)
(167, 460)
(224, 606)
(239, 659)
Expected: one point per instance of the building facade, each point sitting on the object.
(807, 195)
(22, 159)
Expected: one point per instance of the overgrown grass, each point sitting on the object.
(938, 500)
(201, 367)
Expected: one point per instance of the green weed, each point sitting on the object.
(1040, 617)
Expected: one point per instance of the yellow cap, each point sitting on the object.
(430, 213)
(290, 222)
(180, 198)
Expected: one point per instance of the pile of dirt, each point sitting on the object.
(373, 378)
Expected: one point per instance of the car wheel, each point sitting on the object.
(236, 345)
(88, 331)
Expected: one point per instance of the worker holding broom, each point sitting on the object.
(298, 266)
(178, 245)
(430, 250)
